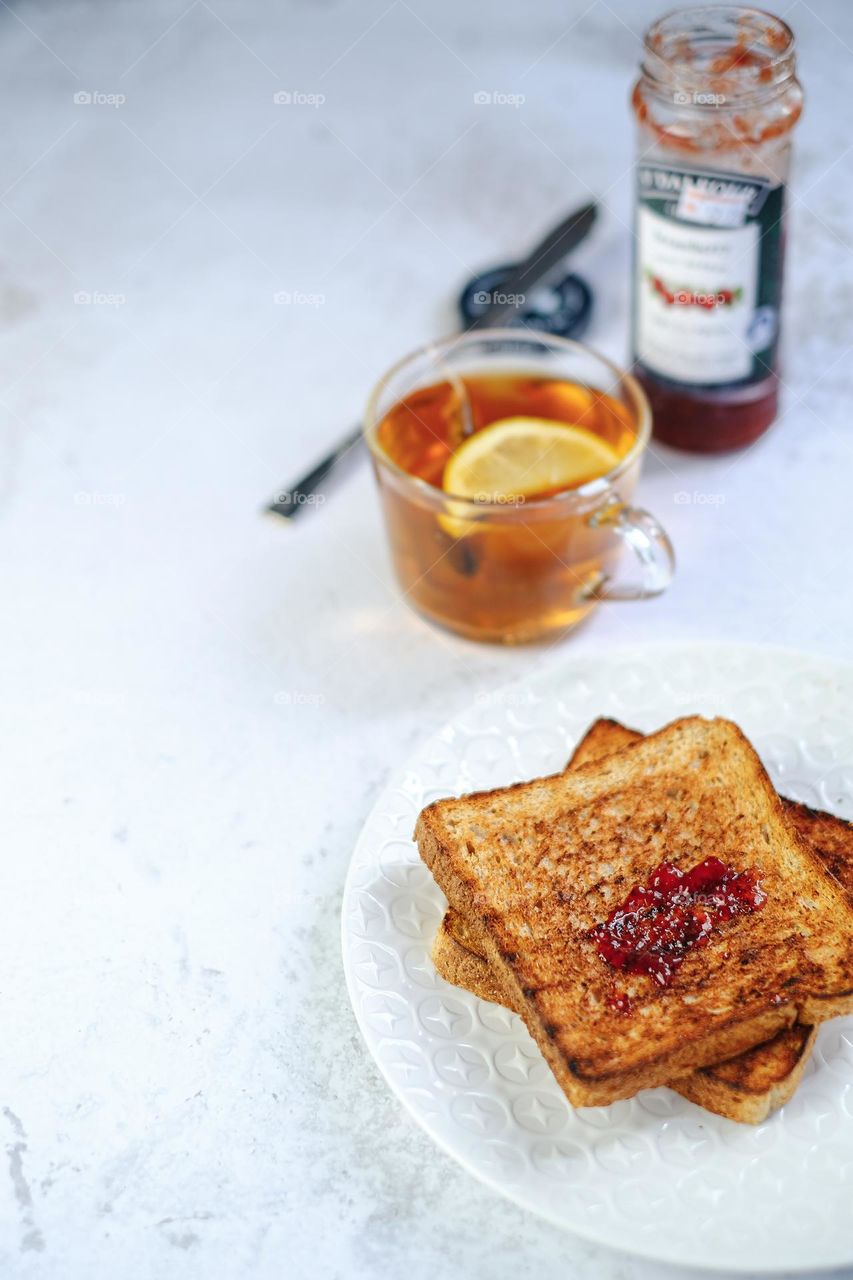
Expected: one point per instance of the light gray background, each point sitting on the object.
(200, 705)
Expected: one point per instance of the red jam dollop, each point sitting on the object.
(658, 923)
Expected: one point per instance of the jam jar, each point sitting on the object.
(715, 106)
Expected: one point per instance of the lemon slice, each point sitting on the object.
(519, 457)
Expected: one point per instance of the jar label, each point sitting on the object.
(708, 275)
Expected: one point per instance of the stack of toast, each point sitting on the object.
(538, 873)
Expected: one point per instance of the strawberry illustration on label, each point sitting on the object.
(681, 296)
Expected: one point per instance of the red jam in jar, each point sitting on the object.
(715, 105)
(659, 923)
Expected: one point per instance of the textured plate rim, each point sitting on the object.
(612, 653)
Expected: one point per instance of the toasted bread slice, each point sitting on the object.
(746, 1088)
(539, 864)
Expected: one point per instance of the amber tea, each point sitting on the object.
(422, 431)
(504, 487)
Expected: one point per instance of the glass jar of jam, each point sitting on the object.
(716, 105)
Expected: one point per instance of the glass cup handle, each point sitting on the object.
(650, 544)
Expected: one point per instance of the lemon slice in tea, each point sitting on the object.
(522, 457)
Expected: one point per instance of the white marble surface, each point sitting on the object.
(200, 704)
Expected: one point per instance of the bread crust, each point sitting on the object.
(764, 1080)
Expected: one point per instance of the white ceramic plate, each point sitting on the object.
(655, 1175)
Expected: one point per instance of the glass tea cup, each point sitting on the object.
(501, 567)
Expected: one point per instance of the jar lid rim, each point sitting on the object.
(744, 49)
